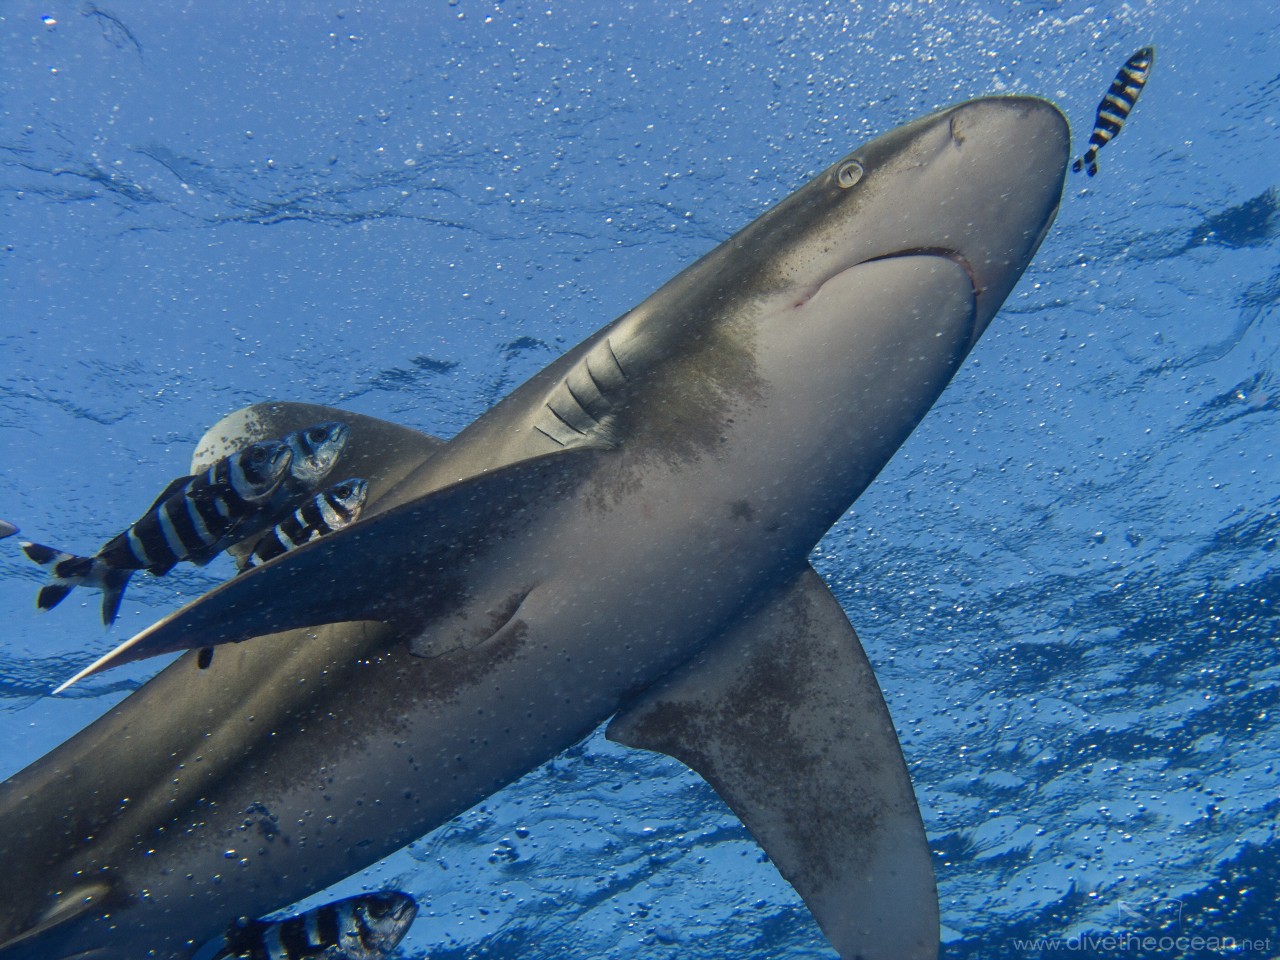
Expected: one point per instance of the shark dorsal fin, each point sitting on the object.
(382, 451)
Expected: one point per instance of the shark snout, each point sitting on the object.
(1011, 163)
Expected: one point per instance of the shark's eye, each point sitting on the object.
(848, 173)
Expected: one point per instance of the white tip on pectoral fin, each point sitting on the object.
(784, 718)
(117, 655)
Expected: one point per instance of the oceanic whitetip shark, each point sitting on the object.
(624, 538)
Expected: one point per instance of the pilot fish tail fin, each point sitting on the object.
(66, 572)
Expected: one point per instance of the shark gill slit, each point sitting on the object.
(586, 365)
(582, 407)
(616, 362)
(565, 419)
(561, 430)
(549, 436)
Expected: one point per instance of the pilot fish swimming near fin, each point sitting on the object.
(1115, 107)
(193, 520)
(330, 510)
(192, 517)
(315, 450)
(326, 512)
(365, 927)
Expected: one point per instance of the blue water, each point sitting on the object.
(1067, 579)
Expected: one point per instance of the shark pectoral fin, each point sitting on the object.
(784, 718)
(394, 567)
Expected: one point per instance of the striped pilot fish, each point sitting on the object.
(322, 514)
(365, 927)
(1115, 106)
(331, 510)
(192, 519)
(315, 451)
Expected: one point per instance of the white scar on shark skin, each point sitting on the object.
(623, 539)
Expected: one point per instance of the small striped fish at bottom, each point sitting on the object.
(1115, 107)
(364, 927)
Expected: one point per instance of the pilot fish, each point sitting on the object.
(365, 927)
(315, 450)
(331, 510)
(192, 518)
(1115, 106)
(335, 508)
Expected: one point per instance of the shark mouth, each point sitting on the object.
(946, 254)
(943, 253)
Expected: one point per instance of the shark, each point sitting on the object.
(622, 540)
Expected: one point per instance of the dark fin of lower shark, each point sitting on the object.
(360, 573)
(784, 718)
(68, 905)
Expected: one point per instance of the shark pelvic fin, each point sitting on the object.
(386, 568)
(783, 717)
